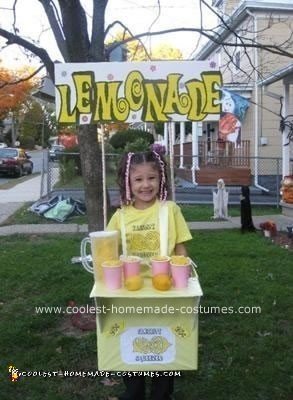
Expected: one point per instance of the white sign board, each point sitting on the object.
(151, 91)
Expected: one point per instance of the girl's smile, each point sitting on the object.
(144, 183)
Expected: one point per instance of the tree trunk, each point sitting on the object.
(91, 164)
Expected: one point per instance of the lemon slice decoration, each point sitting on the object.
(180, 331)
(116, 329)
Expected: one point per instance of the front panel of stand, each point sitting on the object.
(147, 330)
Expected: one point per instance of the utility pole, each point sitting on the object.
(13, 130)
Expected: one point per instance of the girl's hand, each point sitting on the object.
(180, 250)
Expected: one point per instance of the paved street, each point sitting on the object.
(37, 159)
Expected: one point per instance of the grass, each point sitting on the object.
(241, 357)
(204, 212)
(24, 216)
(191, 213)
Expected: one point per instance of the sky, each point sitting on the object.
(138, 15)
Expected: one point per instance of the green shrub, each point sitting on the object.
(138, 145)
(27, 142)
(72, 153)
(121, 138)
(67, 170)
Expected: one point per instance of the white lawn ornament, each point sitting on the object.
(220, 200)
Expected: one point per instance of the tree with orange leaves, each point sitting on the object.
(15, 87)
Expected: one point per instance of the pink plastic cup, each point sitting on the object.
(180, 275)
(131, 266)
(160, 266)
(112, 275)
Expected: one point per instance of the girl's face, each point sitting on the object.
(144, 184)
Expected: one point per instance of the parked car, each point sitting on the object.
(15, 162)
(3, 145)
(55, 151)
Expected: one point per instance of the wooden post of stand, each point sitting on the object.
(104, 177)
(171, 132)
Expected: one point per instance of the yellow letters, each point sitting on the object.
(134, 91)
(65, 117)
(210, 79)
(108, 106)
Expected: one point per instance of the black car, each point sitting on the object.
(15, 162)
(55, 151)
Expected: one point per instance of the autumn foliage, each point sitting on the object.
(14, 89)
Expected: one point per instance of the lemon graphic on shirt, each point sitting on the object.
(152, 240)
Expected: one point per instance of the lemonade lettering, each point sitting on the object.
(157, 99)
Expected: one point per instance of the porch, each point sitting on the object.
(215, 160)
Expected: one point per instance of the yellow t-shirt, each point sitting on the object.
(142, 229)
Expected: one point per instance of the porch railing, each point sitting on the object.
(224, 153)
(214, 153)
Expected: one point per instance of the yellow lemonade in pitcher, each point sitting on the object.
(104, 247)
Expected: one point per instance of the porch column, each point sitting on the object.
(171, 157)
(195, 163)
(166, 144)
(182, 139)
(286, 149)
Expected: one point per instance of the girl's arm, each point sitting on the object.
(180, 249)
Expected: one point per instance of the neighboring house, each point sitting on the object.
(245, 71)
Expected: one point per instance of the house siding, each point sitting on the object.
(273, 27)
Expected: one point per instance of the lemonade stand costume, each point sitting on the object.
(139, 331)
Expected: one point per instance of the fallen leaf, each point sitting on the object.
(109, 382)
(264, 333)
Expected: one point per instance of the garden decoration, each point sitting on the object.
(287, 189)
(220, 199)
(245, 208)
(269, 228)
(286, 123)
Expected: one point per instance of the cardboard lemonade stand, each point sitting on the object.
(145, 329)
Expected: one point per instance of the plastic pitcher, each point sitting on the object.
(104, 247)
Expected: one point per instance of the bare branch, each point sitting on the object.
(268, 47)
(75, 31)
(15, 30)
(111, 48)
(97, 47)
(22, 79)
(38, 51)
(154, 21)
(56, 25)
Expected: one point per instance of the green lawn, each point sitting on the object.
(241, 357)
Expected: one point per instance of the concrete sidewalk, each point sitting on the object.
(13, 199)
(29, 190)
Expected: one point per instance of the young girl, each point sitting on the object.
(143, 183)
